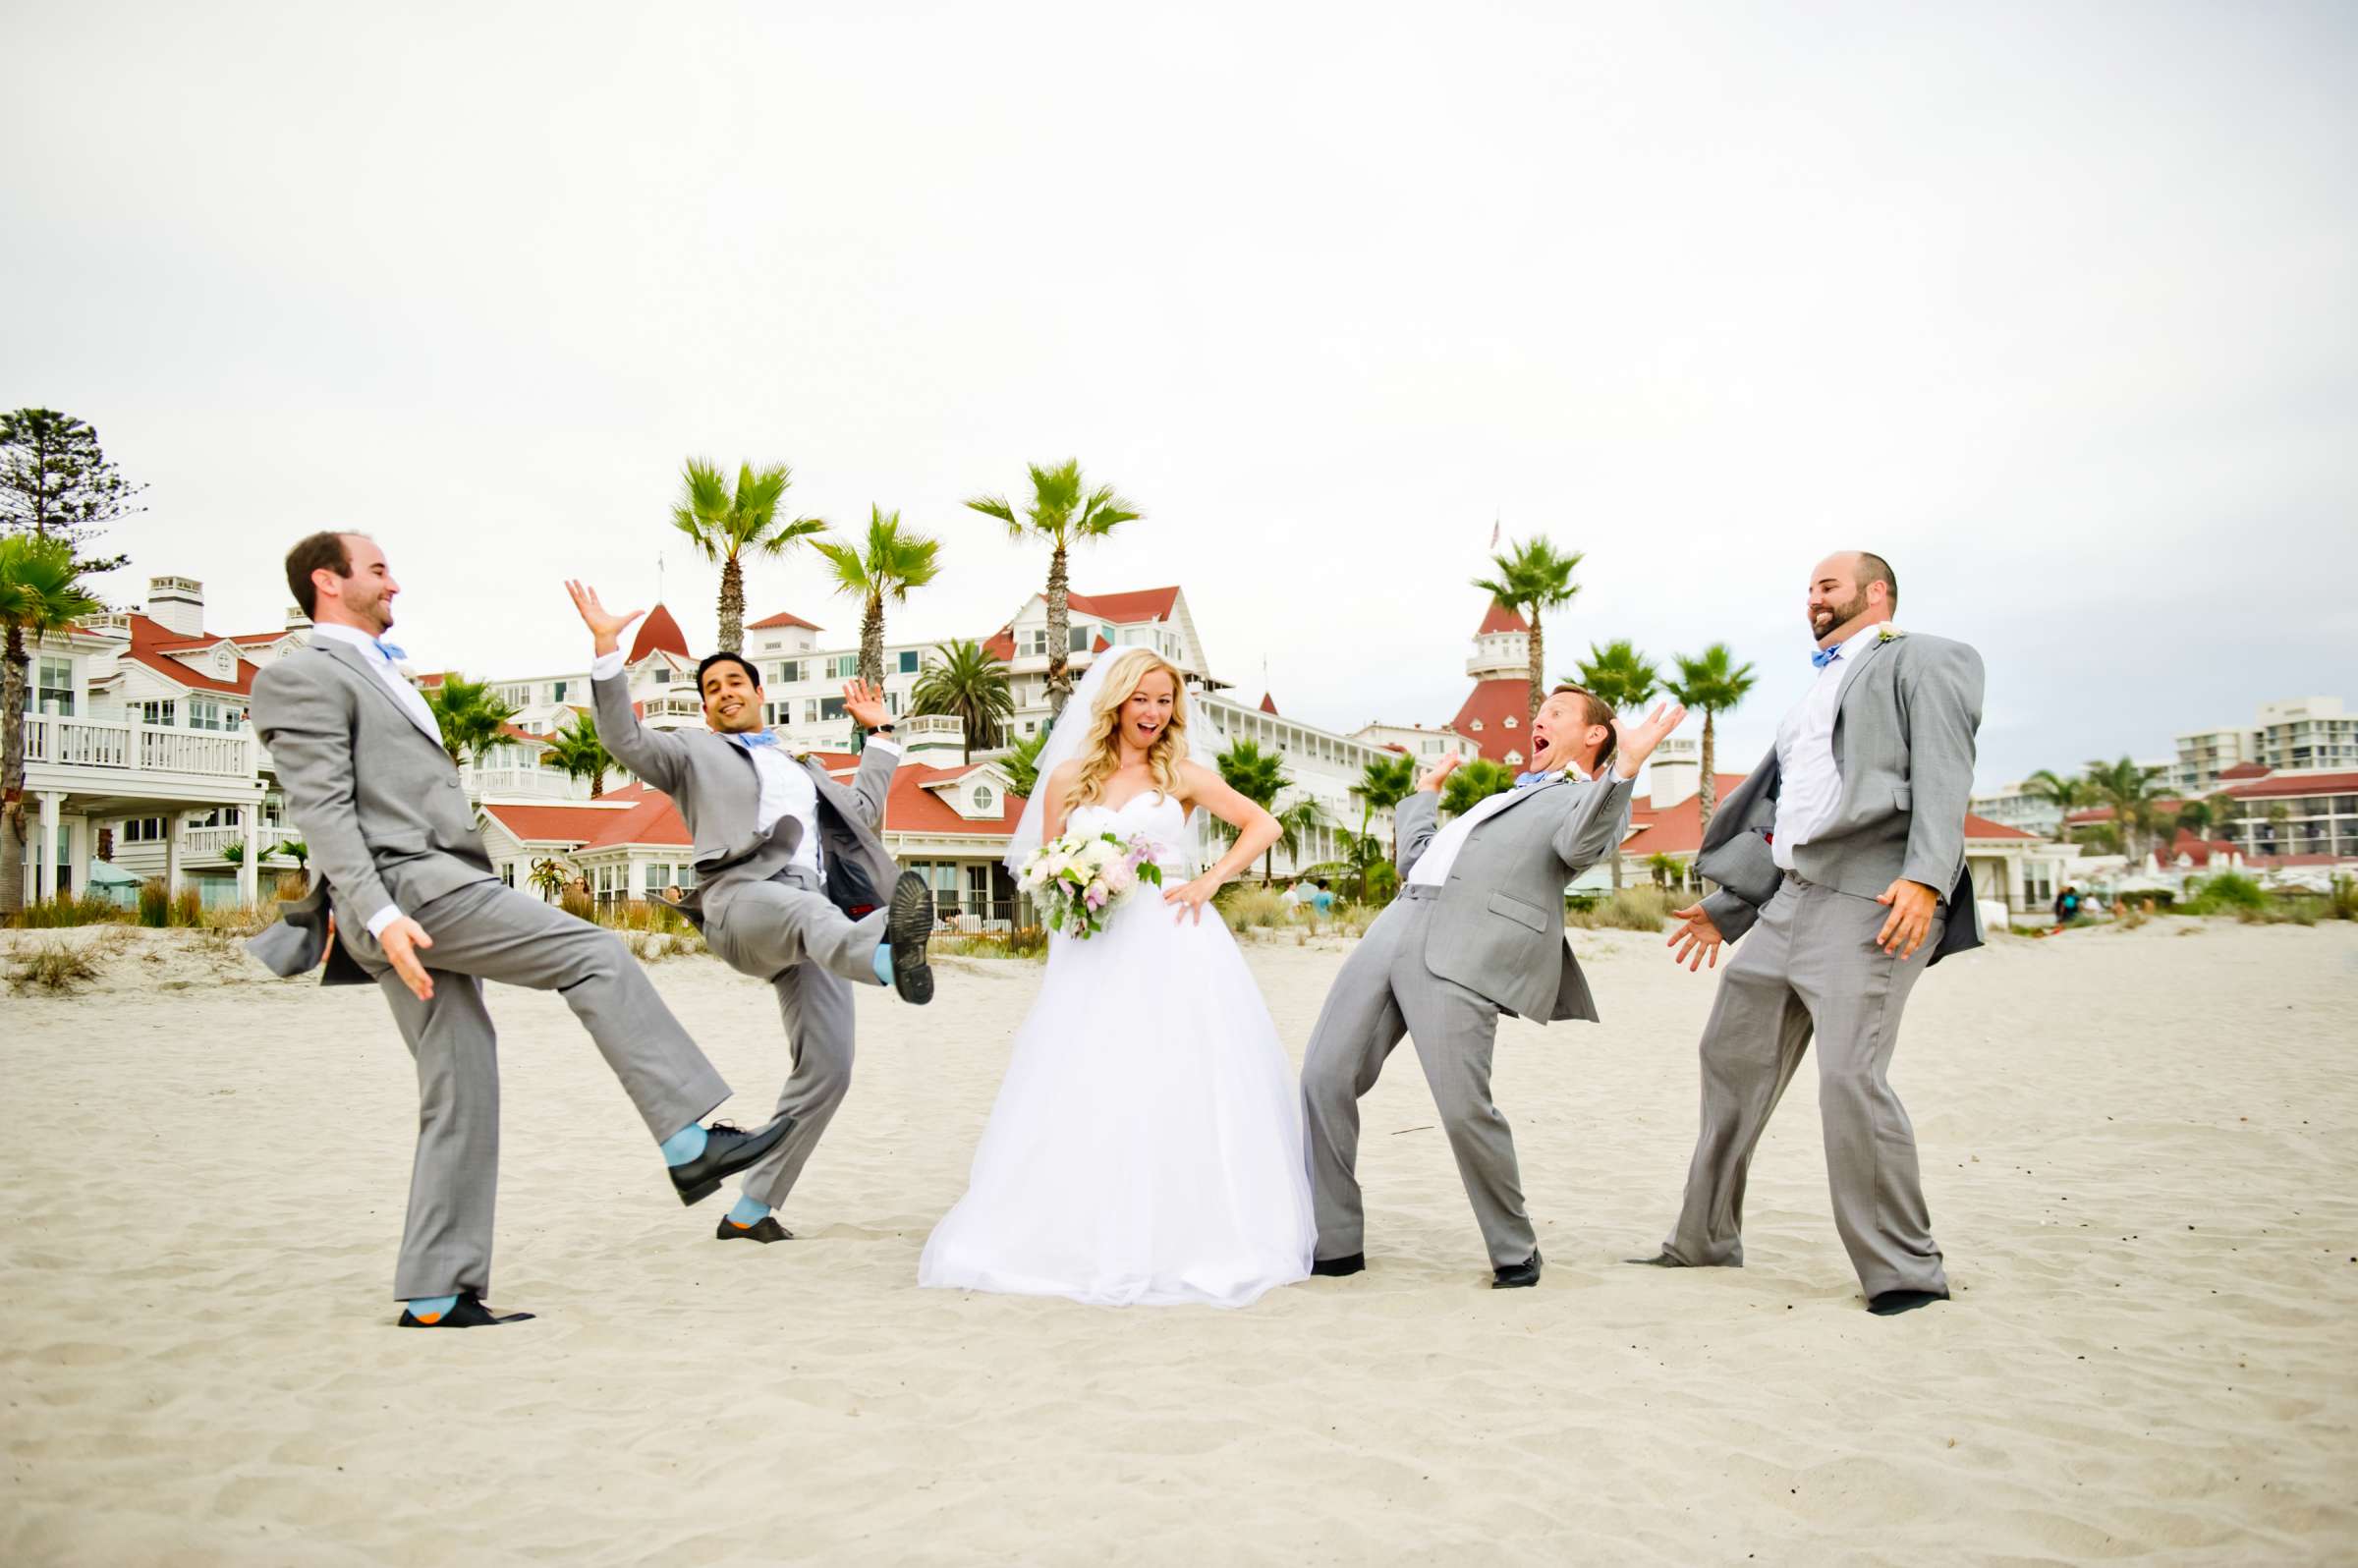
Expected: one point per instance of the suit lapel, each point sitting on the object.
(349, 657)
(1516, 797)
(1850, 676)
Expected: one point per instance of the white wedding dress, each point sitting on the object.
(1146, 1144)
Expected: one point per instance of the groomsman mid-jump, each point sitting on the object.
(1844, 856)
(796, 886)
(404, 887)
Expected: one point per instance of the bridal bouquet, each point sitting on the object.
(1078, 877)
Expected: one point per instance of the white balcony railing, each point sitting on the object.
(209, 843)
(130, 748)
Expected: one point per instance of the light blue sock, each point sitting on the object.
(749, 1212)
(426, 1309)
(883, 963)
(684, 1146)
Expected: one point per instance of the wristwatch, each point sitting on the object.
(884, 728)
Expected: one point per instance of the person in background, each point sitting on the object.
(2067, 908)
(1323, 898)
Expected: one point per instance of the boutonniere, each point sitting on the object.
(1888, 633)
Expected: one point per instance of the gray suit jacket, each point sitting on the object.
(718, 790)
(1904, 726)
(377, 799)
(1500, 929)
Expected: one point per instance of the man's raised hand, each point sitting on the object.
(864, 703)
(1638, 741)
(1441, 770)
(605, 624)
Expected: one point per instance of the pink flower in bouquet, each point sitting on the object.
(1119, 878)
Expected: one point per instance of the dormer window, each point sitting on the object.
(1514, 758)
(1475, 726)
(985, 799)
(1512, 721)
(225, 659)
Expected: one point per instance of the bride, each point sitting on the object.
(1146, 1144)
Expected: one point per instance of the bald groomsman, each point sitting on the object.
(1843, 857)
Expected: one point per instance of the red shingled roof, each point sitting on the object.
(576, 824)
(1491, 704)
(181, 645)
(1000, 644)
(2277, 785)
(1268, 705)
(1500, 618)
(782, 619)
(1129, 608)
(2244, 770)
(659, 631)
(151, 638)
(1678, 830)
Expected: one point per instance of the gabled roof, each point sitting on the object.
(1000, 644)
(1500, 618)
(1678, 830)
(576, 824)
(179, 644)
(784, 619)
(149, 640)
(659, 631)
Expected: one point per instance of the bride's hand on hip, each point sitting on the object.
(1192, 898)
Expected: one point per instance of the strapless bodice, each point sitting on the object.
(1149, 813)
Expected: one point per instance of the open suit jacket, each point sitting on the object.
(1500, 929)
(717, 787)
(1904, 725)
(377, 797)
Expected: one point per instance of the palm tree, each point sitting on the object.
(2196, 817)
(1534, 578)
(1258, 776)
(40, 592)
(1475, 782)
(1022, 765)
(1715, 683)
(1624, 679)
(578, 753)
(1295, 825)
(299, 851)
(2128, 788)
(886, 565)
(2227, 817)
(726, 525)
(548, 879)
(1065, 512)
(2066, 795)
(470, 714)
(1383, 785)
(971, 686)
(1665, 866)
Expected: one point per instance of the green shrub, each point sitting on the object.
(1636, 908)
(1245, 907)
(2227, 893)
(188, 906)
(1027, 941)
(2343, 903)
(156, 903)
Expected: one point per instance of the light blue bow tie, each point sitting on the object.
(392, 654)
(763, 739)
(1825, 655)
(1522, 779)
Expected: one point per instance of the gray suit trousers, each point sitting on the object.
(814, 1000)
(487, 931)
(1811, 965)
(1384, 991)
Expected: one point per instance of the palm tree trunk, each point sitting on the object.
(732, 605)
(872, 641)
(12, 772)
(598, 781)
(1706, 791)
(1538, 667)
(1616, 868)
(1060, 684)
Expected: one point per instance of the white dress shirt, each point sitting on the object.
(786, 786)
(1432, 867)
(407, 694)
(1809, 783)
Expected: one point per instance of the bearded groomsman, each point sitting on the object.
(1843, 856)
(405, 896)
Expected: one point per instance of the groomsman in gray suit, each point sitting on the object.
(790, 877)
(404, 895)
(1843, 856)
(1477, 931)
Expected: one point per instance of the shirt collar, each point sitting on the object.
(352, 636)
(1851, 644)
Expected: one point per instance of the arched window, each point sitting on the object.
(984, 797)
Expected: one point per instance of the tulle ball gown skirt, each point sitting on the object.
(1146, 1144)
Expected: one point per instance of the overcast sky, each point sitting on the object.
(2051, 305)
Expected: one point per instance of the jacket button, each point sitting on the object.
(451, 783)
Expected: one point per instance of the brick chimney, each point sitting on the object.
(177, 602)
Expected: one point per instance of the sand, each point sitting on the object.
(2137, 1148)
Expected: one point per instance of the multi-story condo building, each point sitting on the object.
(2292, 733)
(2013, 805)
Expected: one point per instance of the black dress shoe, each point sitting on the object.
(1337, 1268)
(764, 1229)
(727, 1150)
(468, 1313)
(1514, 1276)
(907, 925)
(1891, 1302)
